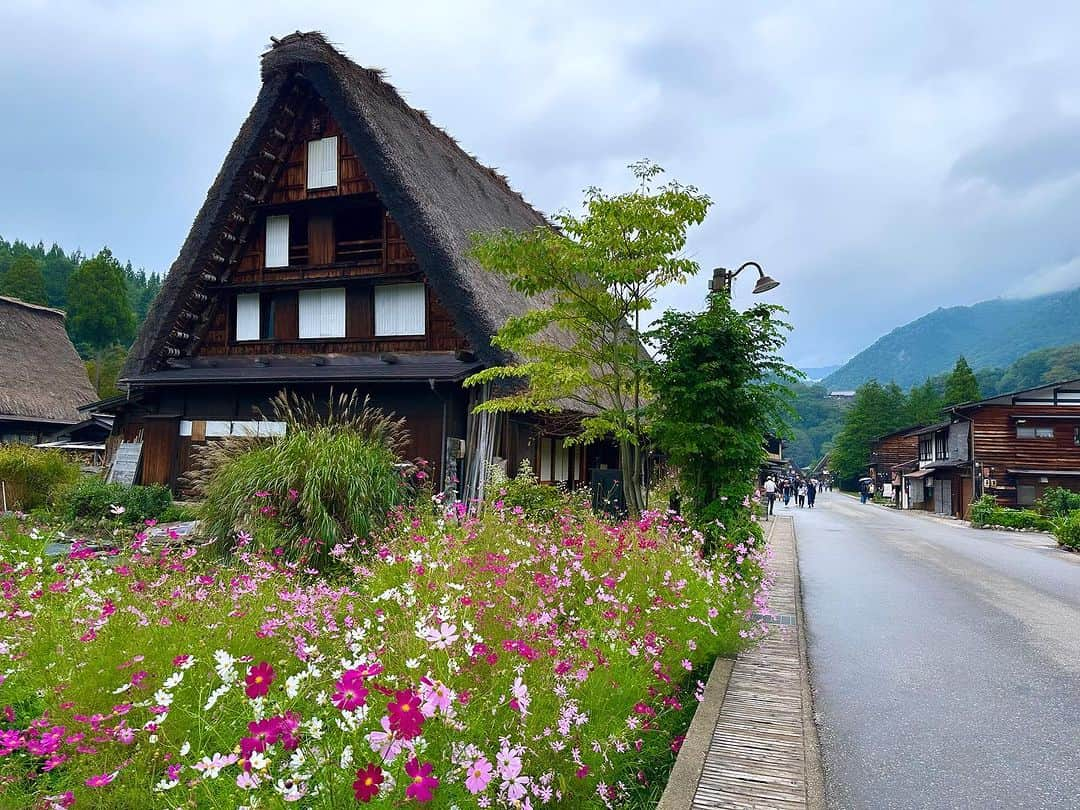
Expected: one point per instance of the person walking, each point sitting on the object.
(801, 497)
(811, 493)
(863, 488)
(787, 492)
(770, 494)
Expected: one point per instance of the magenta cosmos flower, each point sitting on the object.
(368, 779)
(259, 678)
(421, 782)
(405, 715)
(351, 693)
(103, 779)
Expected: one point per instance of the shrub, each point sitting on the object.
(524, 494)
(31, 476)
(92, 498)
(986, 513)
(1058, 502)
(331, 477)
(1067, 530)
(982, 511)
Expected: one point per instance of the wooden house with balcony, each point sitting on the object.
(332, 254)
(1013, 447)
(1025, 442)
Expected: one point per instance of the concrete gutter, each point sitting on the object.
(684, 777)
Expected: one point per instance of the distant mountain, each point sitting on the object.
(816, 373)
(991, 334)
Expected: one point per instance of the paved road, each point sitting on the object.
(945, 661)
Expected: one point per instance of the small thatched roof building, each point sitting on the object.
(42, 380)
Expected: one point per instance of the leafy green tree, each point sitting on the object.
(104, 368)
(24, 281)
(595, 276)
(721, 385)
(818, 418)
(876, 410)
(924, 404)
(99, 314)
(961, 385)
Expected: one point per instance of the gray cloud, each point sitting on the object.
(881, 159)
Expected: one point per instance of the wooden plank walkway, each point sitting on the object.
(757, 756)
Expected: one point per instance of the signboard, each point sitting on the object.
(125, 463)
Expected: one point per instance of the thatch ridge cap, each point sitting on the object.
(42, 307)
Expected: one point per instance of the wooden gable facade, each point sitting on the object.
(332, 255)
(1026, 442)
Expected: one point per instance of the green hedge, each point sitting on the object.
(1067, 530)
(31, 476)
(1058, 502)
(986, 513)
(93, 498)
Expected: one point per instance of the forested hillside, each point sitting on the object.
(105, 301)
(991, 334)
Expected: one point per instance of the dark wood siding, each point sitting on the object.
(997, 448)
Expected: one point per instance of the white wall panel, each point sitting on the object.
(322, 163)
(277, 241)
(400, 309)
(247, 316)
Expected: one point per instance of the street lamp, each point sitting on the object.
(722, 278)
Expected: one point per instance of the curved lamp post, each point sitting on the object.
(723, 277)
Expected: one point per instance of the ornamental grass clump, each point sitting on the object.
(332, 477)
(469, 661)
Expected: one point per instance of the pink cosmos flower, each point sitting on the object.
(101, 780)
(421, 783)
(479, 776)
(259, 678)
(508, 761)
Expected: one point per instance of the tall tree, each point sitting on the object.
(924, 404)
(24, 280)
(961, 385)
(99, 314)
(876, 410)
(57, 268)
(720, 386)
(597, 275)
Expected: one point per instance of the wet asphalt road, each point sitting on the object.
(945, 661)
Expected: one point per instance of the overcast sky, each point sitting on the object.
(881, 159)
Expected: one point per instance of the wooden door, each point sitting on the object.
(161, 436)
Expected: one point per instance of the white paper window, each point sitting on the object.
(545, 459)
(322, 313)
(562, 461)
(217, 429)
(322, 160)
(277, 241)
(399, 310)
(247, 316)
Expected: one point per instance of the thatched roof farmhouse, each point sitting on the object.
(332, 253)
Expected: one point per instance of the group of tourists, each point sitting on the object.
(803, 491)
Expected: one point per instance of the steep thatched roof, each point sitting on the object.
(436, 192)
(41, 375)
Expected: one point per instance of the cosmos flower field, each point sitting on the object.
(455, 661)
